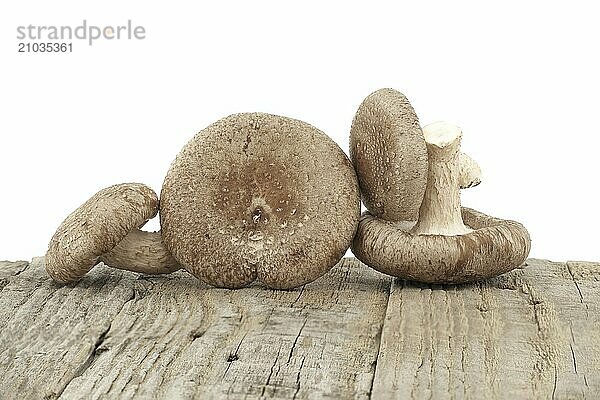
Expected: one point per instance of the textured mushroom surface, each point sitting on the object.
(96, 227)
(469, 170)
(388, 152)
(495, 246)
(440, 212)
(259, 196)
(143, 252)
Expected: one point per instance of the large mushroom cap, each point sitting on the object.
(96, 227)
(495, 246)
(388, 152)
(259, 196)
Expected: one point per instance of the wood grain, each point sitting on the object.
(173, 337)
(49, 333)
(532, 333)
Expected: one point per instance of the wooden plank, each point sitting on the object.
(532, 333)
(584, 326)
(172, 336)
(182, 339)
(48, 333)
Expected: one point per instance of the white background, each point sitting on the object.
(520, 78)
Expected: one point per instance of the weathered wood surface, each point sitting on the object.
(354, 333)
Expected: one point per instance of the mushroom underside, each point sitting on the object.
(142, 252)
(494, 247)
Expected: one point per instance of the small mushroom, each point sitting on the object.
(259, 197)
(105, 228)
(389, 154)
(447, 244)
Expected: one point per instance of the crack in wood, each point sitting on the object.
(555, 381)
(298, 379)
(88, 362)
(298, 298)
(296, 341)
(268, 381)
(581, 299)
(232, 357)
(379, 335)
(574, 358)
(12, 269)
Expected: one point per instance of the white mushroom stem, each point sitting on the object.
(141, 251)
(470, 173)
(440, 212)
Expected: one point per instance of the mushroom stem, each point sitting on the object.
(141, 251)
(440, 212)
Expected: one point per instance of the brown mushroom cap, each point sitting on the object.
(495, 246)
(259, 196)
(388, 152)
(96, 227)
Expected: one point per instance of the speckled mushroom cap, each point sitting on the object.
(495, 246)
(389, 154)
(96, 227)
(259, 196)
